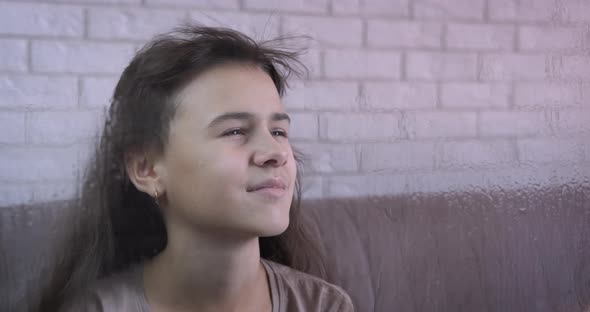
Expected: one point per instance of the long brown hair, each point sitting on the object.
(115, 225)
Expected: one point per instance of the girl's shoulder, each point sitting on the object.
(119, 292)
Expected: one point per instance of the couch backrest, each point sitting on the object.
(524, 250)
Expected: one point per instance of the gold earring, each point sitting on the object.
(156, 198)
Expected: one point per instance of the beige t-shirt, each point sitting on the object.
(290, 291)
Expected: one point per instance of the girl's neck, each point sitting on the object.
(202, 272)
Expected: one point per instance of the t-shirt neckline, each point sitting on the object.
(270, 275)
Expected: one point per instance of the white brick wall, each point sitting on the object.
(256, 25)
(441, 125)
(344, 32)
(562, 150)
(572, 67)
(97, 91)
(476, 154)
(304, 126)
(523, 10)
(38, 92)
(200, 4)
(14, 55)
(371, 7)
(312, 187)
(359, 64)
(32, 164)
(441, 66)
(406, 156)
(508, 67)
(16, 193)
(12, 128)
(402, 96)
(298, 6)
(480, 37)
(450, 9)
(576, 12)
(80, 57)
(327, 95)
(329, 158)
(553, 38)
(41, 19)
(389, 33)
(574, 122)
(514, 123)
(358, 186)
(359, 126)
(131, 23)
(554, 94)
(56, 128)
(475, 95)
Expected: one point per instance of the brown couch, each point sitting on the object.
(525, 250)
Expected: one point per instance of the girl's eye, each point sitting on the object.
(234, 132)
(280, 133)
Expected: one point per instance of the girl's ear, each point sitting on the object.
(144, 172)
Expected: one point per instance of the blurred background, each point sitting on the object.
(402, 97)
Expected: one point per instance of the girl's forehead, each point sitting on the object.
(229, 89)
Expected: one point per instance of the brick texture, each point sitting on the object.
(554, 94)
(574, 122)
(571, 67)
(38, 92)
(546, 38)
(400, 96)
(324, 95)
(202, 4)
(131, 23)
(441, 124)
(303, 126)
(386, 33)
(80, 57)
(328, 158)
(299, 6)
(14, 55)
(40, 19)
(475, 154)
(450, 9)
(441, 66)
(563, 150)
(397, 96)
(56, 127)
(510, 67)
(514, 123)
(97, 91)
(348, 127)
(480, 37)
(346, 32)
(475, 95)
(257, 25)
(12, 127)
(397, 157)
(26, 165)
(362, 64)
(523, 10)
(381, 8)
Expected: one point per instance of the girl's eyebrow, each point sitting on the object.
(246, 116)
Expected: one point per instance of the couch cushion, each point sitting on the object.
(27, 242)
(525, 250)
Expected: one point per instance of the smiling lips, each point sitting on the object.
(271, 188)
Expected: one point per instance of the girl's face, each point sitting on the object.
(228, 165)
